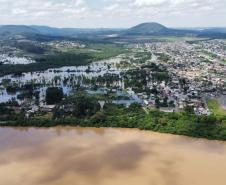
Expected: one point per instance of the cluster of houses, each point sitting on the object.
(65, 45)
(203, 76)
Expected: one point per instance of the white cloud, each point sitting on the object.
(113, 13)
(149, 2)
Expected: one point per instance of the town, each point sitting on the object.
(170, 76)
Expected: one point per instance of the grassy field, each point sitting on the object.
(99, 51)
(210, 55)
(216, 108)
(177, 38)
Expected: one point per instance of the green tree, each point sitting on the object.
(84, 105)
(54, 95)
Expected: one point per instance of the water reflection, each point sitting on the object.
(85, 156)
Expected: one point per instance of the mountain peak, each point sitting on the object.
(147, 28)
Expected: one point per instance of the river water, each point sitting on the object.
(88, 156)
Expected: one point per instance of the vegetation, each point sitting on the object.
(216, 108)
(54, 95)
(163, 57)
(53, 61)
(29, 47)
(80, 106)
(188, 38)
(142, 57)
(138, 78)
(185, 123)
(69, 57)
(84, 110)
(99, 51)
(210, 54)
(147, 29)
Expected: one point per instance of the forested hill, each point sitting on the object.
(149, 28)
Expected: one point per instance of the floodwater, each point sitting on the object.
(57, 76)
(88, 156)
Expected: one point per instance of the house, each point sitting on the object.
(167, 109)
(14, 109)
(146, 102)
(47, 108)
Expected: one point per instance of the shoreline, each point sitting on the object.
(72, 125)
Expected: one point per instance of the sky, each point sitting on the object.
(113, 13)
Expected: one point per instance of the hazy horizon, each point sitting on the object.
(190, 27)
(113, 13)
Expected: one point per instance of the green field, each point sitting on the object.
(216, 108)
(99, 51)
(210, 55)
(177, 38)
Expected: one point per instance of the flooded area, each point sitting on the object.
(93, 70)
(222, 101)
(87, 156)
(66, 78)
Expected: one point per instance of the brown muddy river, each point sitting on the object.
(79, 156)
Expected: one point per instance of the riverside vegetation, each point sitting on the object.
(85, 111)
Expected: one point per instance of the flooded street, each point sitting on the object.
(87, 156)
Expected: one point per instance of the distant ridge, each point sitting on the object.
(149, 29)
(12, 30)
(17, 30)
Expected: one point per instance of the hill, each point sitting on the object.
(35, 31)
(147, 29)
(17, 30)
